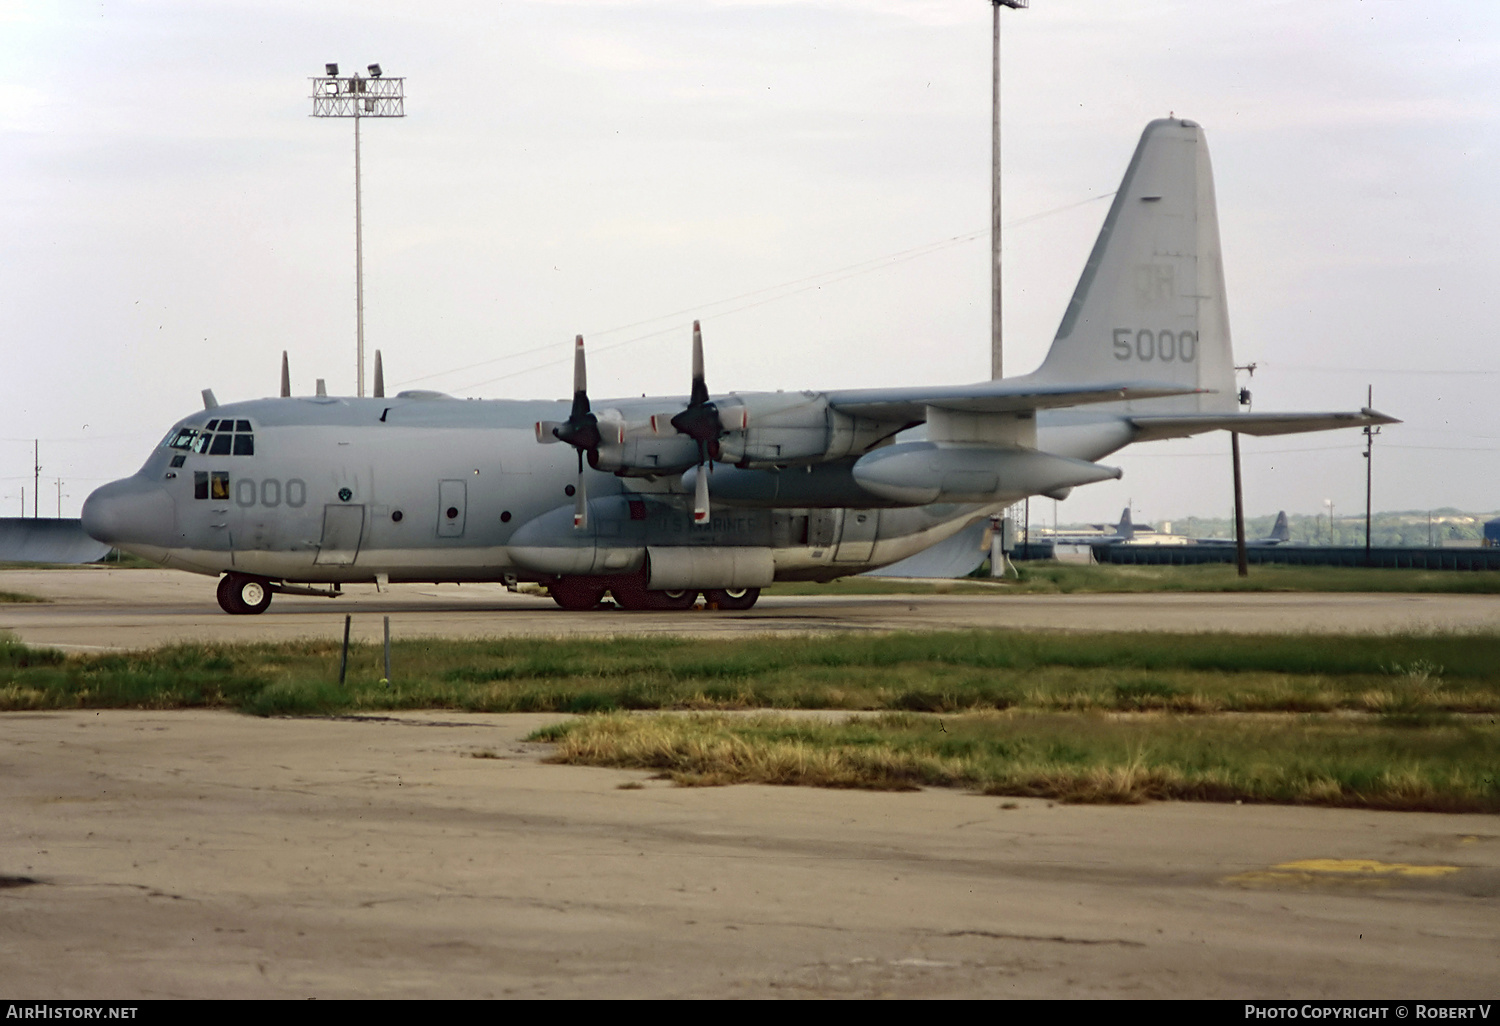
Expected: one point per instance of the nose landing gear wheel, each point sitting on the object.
(731, 598)
(240, 594)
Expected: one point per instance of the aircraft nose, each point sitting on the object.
(131, 510)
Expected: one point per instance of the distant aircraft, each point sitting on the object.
(662, 499)
(1281, 534)
(1102, 534)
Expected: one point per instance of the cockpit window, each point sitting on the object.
(216, 438)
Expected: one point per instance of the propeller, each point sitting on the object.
(704, 423)
(580, 430)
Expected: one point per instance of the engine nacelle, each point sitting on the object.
(917, 473)
(646, 455)
(793, 427)
(762, 429)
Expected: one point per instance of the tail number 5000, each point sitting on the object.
(1147, 345)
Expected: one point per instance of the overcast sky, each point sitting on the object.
(808, 178)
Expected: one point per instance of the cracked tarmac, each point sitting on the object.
(208, 854)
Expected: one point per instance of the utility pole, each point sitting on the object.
(358, 98)
(36, 476)
(1242, 558)
(1370, 433)
(996, 362)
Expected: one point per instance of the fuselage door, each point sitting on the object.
(452, 498)
(857, 541)
(343, 527)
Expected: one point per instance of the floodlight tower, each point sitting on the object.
(358, 98)
(996, 364)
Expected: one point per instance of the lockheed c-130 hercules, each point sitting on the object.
(670, 498)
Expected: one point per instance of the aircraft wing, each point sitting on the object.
(1168, 425)
(1011, 395)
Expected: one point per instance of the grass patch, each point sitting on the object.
(1406, 675)
(1045, 577)
(17, 596)
(1393, 721)
(1091, 758)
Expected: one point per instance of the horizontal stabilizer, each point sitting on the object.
(1168, 425)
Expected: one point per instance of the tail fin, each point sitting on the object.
(1282, 532)
(1150, 305)
(1125, 528)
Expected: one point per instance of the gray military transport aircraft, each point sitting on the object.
(719, 495)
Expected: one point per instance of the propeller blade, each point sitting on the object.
(700, 496)
(379, 377)
(581, 506)
(735, 419)
(580, 378)
(612, 427)
(286, 377)
(699, 394)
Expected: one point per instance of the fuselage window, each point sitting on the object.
(221, 445)
(244, 445)
(219, 481)
(200, 484)
(183, 439)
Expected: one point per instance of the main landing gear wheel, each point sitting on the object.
(576, 595)
(632, 594)
(731, 598)
(240, 594)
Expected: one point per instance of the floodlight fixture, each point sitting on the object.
(358, 98)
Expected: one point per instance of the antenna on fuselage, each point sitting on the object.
(209, 402)
(286, 377)
(322, 388)
(379, 377)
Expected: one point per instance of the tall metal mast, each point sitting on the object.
(358, 98)
(996, 363)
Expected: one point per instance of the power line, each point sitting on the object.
(771, 293)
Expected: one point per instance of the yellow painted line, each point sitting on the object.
(1367, 867)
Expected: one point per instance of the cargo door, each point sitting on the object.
(343, 527)
(857, 541)
(452, 500)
